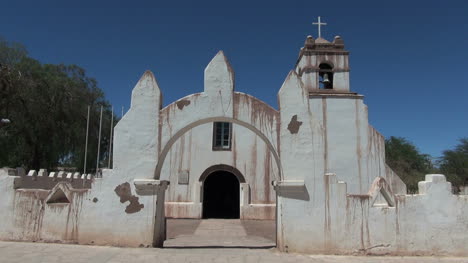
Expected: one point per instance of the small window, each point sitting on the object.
(222, 135)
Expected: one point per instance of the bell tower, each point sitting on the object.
(323, 66)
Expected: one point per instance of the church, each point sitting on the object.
(239, 153)
(314, 165)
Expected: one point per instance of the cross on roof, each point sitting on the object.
(319, 24)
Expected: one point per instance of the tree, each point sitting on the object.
(47, 107)
(406, 160)
(454, 164)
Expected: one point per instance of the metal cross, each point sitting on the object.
(319, 24)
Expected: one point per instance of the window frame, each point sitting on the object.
(222, 146)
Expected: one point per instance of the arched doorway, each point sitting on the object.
(221, 195)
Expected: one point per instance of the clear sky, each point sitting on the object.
(409, 58)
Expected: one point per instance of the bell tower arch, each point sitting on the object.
(324, 65)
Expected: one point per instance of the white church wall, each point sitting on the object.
(93, 216)
(301, 150)
(218, 102)
(136, 144)
(354, 150)
(432, 222)
(186, 143)
(338, 118)
(110, 213)
(341, 81)
(348, 149)
(337, 213)
(193, 153)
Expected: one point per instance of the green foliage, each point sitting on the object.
(406, 160)
(454, 164)
(47, 107)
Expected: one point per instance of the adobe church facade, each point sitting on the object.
(315, 165)
(251, 149)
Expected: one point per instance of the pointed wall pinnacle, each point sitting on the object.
(219, 75)
(146, 88)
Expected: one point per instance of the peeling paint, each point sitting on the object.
(125, 193)
(182, 103)
(294, 125)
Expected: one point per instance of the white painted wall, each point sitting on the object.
(353, 149)
(193, 152)
(431, 222)
(140, 138)
(336, 214)
(105, 221)
(83, 221)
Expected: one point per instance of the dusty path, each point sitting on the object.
(201, 241)
(16, 252)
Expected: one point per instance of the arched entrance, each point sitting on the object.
(222, 223)
(248, 112)
(221, 195)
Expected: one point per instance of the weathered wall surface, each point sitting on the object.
(431, 222)
(136, 144)
(91, 216)
(185, 135)
(299, 130)
(349, 212)
(353, 149)
(107, 211)
(192, 154)
(218, 102)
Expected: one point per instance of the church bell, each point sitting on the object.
(325, 80)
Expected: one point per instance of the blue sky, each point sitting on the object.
(409, 58)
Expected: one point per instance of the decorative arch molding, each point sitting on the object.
(222, 167)
(178, 134)
(327, 62)
(200, 108)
